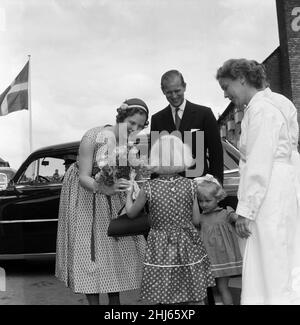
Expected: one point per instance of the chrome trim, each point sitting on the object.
(34, 200)
(25, 256)
(25, 221)
(231, 171)
(37, 186)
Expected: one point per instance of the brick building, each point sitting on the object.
(282, 65)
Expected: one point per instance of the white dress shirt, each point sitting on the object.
(181, 110)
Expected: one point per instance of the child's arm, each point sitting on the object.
(231, 216)
(133, 208)
(196, 213)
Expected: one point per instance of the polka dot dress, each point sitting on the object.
(176, 267)
(118, 262)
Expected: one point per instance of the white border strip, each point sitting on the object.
(179, 265)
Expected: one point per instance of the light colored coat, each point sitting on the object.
(269, 196)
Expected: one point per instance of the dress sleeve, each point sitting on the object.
(193, 188)
(147, 190)
(231, 216)
(261, 135)
(89, 136)
(294, 128)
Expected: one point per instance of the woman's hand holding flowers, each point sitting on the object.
(120, 185)
(117, 172)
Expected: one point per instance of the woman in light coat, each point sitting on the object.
(268, 195)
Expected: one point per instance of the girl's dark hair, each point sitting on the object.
(252, 71)
(131, 107)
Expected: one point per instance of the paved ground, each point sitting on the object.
(33, 283)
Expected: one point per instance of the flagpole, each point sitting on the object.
(29, 105)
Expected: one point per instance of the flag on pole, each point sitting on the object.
(15, 97)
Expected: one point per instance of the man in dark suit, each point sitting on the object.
(183, 116)
(191, 117)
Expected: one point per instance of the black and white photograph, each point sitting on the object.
(149, 154)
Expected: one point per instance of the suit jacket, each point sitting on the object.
(203, 119)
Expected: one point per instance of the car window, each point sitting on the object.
(44, 170)
(3, 181)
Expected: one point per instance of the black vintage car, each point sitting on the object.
(29, 205)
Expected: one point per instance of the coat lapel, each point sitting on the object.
(187, 118)
(168, 120)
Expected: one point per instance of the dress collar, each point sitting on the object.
(168, 178)
(259, 95)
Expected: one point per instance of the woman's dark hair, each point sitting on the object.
(252, 71)
(131, 107)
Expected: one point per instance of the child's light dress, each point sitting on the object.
(221, 242)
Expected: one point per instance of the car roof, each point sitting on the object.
(59, 147)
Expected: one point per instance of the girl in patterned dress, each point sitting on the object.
(218, 234)
(176, 265)
(87, 260)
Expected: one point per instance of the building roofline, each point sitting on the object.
(272, 54)
(227, 109)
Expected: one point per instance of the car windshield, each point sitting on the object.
(44, 170)
(231, 156)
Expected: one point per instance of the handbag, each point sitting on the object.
(124, 226)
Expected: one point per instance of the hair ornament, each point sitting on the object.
(134, 103)
(124, 106)
(206, 178)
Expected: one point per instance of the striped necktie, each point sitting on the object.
(177, 118)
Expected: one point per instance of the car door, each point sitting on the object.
(30, 213)
(11, 234)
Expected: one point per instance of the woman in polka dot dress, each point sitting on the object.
(87, 260)
(176, 266)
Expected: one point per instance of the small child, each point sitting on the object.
(218, 234)
(176, 266)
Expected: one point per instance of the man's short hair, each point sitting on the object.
(169, 75)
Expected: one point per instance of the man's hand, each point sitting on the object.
(242, 227)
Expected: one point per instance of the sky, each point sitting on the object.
(88, 56)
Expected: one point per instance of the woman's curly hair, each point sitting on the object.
(252, 71)
(214, 189)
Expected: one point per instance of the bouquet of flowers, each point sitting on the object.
(122, 162)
